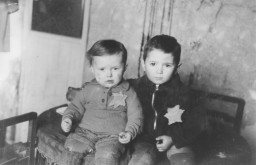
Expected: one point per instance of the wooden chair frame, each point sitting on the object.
(236, 120)
(225, 98)
(239, 111)
(31, 117)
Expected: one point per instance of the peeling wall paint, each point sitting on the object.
(9, 85)
(218, 39)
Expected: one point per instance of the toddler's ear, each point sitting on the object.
(92, 70)
(125, 67)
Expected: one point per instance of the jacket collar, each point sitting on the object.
(123, 85)
(174, 81)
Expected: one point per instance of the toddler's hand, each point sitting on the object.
(124, 137)
(66, 124)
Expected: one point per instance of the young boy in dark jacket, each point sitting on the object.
(171, 120)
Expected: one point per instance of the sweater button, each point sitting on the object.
(103, 100)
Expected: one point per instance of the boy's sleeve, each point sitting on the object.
(134, 114)
(76, 109)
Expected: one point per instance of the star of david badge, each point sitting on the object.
(118, 99)
(174, 114)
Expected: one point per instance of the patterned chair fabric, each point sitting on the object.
(220, 144)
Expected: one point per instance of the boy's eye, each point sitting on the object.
(169, 65)
(152, 63)
(101, 69)
(115, 68)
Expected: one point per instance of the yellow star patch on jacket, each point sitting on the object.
(118, 99)
(174, 114)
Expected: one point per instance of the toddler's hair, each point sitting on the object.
(165, 43)
(107, 47)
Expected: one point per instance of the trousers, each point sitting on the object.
(107, 148)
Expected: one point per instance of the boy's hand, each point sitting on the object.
(163, 143)
(124, 137)
(66, 124)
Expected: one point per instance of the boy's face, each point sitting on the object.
(108, 69)
(158, 66)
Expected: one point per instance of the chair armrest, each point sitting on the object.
(18, 119)
(31, 118)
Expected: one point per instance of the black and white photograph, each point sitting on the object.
(138, 82)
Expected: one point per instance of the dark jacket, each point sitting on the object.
(168, 95)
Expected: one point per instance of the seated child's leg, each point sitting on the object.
(80, 141)
(181, 156)
(144, 154)
(108, 151)
(89, 159)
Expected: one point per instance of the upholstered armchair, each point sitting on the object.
(220, 143)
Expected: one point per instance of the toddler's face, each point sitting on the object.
(159, 66)
(108, 69)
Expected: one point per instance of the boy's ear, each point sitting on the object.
(142, 64)
(177, 67)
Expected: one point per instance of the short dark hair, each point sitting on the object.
(107, 47)
(165, 43)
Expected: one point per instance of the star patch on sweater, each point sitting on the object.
(118, 99)
(174, 114)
